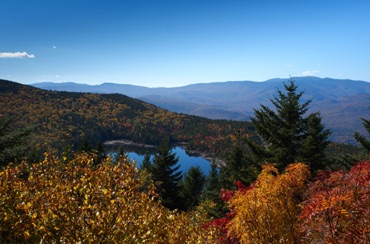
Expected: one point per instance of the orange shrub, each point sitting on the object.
(268, 211)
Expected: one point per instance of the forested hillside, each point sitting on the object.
(341, 102)
(68, 118)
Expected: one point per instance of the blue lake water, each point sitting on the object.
(185, 160)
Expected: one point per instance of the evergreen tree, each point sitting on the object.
(146, 164)
(101, 153)
(145, 172)
(212, 186)
(13, 143)
(287, 136)
(315, 141)
(85, 146)
(166, 173)
(192, 187)
(361, 138)
(119, 154)
(238, 167)
(212, 195)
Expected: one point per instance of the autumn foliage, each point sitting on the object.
(75, 201)
(267, 211)
(288, 208)
(338, 207)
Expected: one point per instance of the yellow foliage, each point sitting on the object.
(268, 212)
(78, 202)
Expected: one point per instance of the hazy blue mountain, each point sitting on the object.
(341, 102)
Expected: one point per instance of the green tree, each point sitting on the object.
(361, 138)
(13, 143)
(315, 141)
(212, 203)
(192, 187)
(121, 153)
(286, 134)
(165, 172)
(145, 172)
(101, 153)
(239, 166)
(146, 164)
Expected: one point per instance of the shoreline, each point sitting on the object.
(219, 162)
(127, 143)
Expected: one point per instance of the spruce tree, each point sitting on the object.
(315, 141)
(165, 172)
(192, 187)
(212, 194)
(145, 172)
(286, 134)
(239, 166)
(146, 164)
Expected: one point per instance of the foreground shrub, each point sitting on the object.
(268, 211)
(75, 201)
(338, 207)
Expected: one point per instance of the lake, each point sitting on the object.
(185, 160)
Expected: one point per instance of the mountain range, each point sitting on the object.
(342, 103)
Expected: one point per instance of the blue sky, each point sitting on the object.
(167, 43)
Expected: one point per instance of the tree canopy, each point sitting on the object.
(287, 135)
(165, 172)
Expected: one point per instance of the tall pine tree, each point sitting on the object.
(165, 172)
(286, 134)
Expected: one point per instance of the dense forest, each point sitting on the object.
(61, 119)
(282, 182)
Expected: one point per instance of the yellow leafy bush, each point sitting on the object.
(76, 201)
(268, 211)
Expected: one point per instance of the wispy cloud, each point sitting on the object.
(16, 55)
(310, 72)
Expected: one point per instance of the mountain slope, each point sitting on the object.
(69, 117)
(341, 102)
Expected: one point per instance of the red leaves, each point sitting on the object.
(226, 194)
(220, 225)
(337, 208)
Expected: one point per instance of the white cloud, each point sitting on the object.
(16, 55)
(54, 47)
(310, 72)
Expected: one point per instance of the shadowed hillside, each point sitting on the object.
(72, 118)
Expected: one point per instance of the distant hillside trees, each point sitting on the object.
(68, 119)
(287, 136)
(13, 143)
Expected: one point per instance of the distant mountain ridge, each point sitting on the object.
(341, 102)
